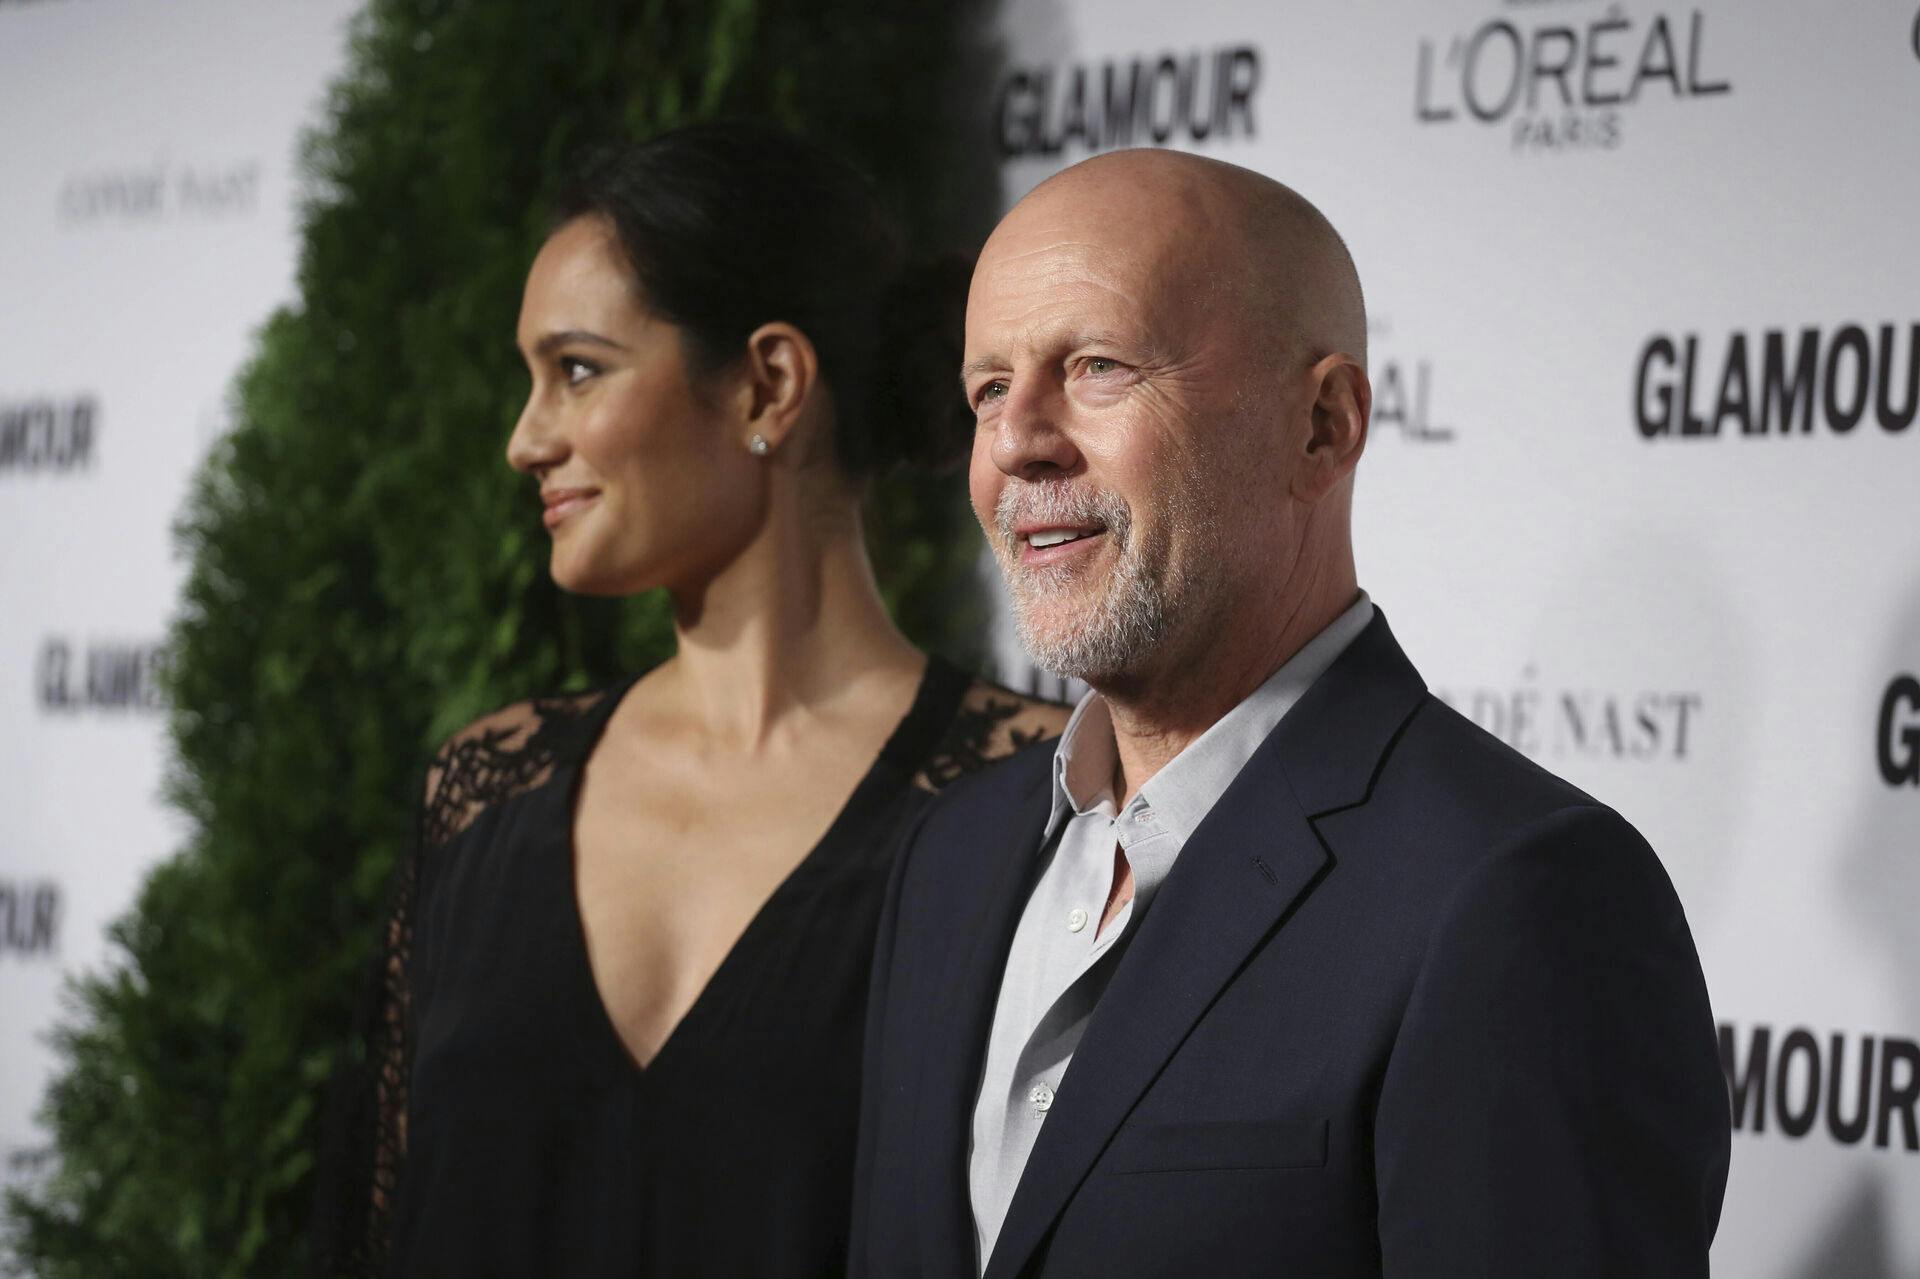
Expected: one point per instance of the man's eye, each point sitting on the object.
(1100, 368)
(994, 390)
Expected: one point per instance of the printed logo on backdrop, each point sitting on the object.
(1856, 1089)
(1546, 723)
(101, 676)
(1813, 380)
(1897, 739)
(30, 913)
(1553, 83)
(1402, 390)
(48, 434)
(1079, 108)
(162, 191)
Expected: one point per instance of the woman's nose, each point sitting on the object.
(535, 444)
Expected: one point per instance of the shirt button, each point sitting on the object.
(1042, 1099)
(1076, 920)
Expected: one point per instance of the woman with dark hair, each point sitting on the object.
(625, 980)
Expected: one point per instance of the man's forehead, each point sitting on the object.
(1164, 229)
(1059, 251)
(1045, 285)
(1094, 219)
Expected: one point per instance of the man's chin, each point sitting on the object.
(1070, 652)
(1054, 620)
(1060, 596)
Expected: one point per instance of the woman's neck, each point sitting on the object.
(791, 630)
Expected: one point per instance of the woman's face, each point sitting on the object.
(644, 473)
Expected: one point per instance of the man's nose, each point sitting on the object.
(1029, 441)
(535, 445)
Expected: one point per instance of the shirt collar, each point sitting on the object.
(1083, 761)
(1187, 788)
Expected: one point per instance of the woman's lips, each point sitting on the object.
(562, 503)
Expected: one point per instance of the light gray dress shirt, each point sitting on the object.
(1061, 960)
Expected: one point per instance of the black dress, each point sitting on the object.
(507, 1129)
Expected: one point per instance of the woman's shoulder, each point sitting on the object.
(991, 723)
(505, 753)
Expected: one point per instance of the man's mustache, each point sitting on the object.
(1059, 502)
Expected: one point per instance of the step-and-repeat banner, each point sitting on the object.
(1640, 495)
(147, 228)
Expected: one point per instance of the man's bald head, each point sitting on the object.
(1237, 236)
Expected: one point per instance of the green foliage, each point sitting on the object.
(367, 574)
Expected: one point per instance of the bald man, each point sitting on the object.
(1272, 965)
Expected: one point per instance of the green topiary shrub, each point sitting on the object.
(367, 574)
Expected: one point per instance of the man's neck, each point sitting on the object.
(1159, 714)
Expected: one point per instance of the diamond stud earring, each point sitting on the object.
(758, 445)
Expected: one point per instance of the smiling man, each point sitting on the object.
(1272, 964)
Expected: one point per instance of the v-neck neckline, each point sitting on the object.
(935, 702)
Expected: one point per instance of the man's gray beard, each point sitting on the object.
(1123, 624)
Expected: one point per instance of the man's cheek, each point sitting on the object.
(984, 483)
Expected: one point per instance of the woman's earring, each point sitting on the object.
(758, 445)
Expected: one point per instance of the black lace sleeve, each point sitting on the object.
(366, 1130)
(992, 723)
(484, 765)
(389, 1057)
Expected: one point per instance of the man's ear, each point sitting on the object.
(780, 370)
(1338, 408)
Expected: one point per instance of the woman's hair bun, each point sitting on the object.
(919, 418)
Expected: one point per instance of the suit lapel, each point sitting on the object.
(1248, 866)
(1233, 884)
(962, 1018)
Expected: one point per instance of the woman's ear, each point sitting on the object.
(781, 368)
(1339, 406)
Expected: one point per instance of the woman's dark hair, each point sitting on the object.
(728, 226)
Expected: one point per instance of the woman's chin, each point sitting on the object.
(573, 576)
(579, 575)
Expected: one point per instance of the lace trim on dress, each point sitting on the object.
(507, 753)
(992, 723)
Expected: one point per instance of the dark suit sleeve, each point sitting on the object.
(875, 1077)
(1554, 1104)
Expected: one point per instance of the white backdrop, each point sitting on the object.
(1628, 570)
(147, 226)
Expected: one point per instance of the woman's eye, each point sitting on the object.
(575, 371)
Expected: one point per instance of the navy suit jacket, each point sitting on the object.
(1406, 1005)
